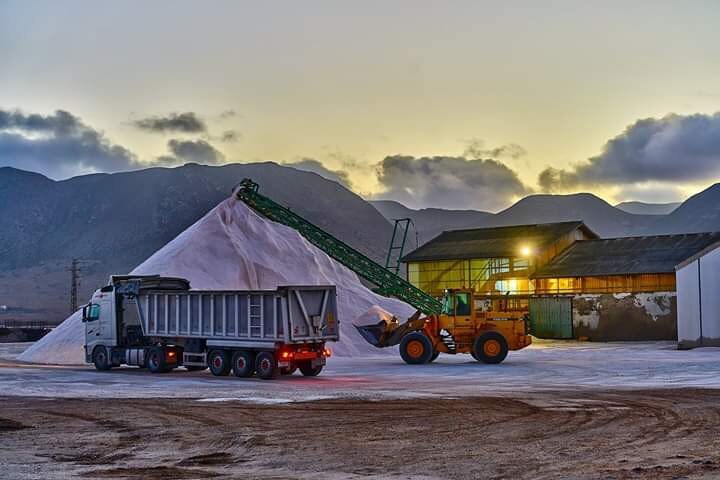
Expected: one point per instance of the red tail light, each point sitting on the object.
(327, 352)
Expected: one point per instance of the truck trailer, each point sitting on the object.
(160, 323)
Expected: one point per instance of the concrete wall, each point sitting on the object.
(625, 316)
(699, 302)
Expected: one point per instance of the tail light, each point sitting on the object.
(286, 355)
(327, 352)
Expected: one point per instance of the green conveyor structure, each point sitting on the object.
(388, 283)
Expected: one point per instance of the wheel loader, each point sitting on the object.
(453, 325)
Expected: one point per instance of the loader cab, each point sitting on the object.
(457, 303)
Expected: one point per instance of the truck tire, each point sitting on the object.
(266, 365)
(308, 370)
(155, 360)
(219, 363)
(101, 358)
(490, 347)
(243, 364)
(415, 348)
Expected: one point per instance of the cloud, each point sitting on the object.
(448, 182)
(312, 165)
(228, 114)
(197, 151)
(674, 148)
(58, 145)
(187, 122)
(230, 136)
(476, 149)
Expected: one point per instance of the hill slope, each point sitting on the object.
(642, 208)
(115, 221)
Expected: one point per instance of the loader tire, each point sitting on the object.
(219, 362)
(266, 366)
(243, 364)
(490, 347)
(415, 348)
(101, 358)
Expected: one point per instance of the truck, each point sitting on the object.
(160, 323)
(457, 323)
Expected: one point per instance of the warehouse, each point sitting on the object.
(698, 285)
(614, 289)
(571, 283)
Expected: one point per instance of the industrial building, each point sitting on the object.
(698, 299)
(572, 283)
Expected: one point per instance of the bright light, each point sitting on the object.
(525, 251)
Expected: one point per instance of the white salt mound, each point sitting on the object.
(233, 248)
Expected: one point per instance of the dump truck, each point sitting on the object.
(457, 323)
(160, 323)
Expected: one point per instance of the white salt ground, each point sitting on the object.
(234, 248)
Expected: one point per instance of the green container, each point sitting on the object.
(551, 317)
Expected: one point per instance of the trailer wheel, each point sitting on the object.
(266, 365)
(490, 347)
(416, 348)
(219, 363)
(309, 371)
(101, 359)
(156, 362)
(243, 364)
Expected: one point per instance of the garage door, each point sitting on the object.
(551, 317)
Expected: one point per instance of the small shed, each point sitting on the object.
(698, 299)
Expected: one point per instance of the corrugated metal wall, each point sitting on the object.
(551, 317)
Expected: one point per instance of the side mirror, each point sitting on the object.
(84, 314)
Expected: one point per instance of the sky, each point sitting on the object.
(453, 104)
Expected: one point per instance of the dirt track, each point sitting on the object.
(648, 434)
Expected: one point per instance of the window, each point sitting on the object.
(462, 305)
(93, 313)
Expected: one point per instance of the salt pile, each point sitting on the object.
(233, 248)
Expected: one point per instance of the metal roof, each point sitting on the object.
(492, 242)
(626, 256)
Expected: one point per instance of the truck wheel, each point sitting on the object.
(156, 360)
(101, 359)
(416, 348)
(243, 364)
(309, 371)
(219, 363)
(490, 347)
(434, 356)
(266, 365)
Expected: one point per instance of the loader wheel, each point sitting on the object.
(243, 364)
(219, 363)
(266, 366)
(308, 370)
(156, 360)
(490, 347)
(101, 359)
(416, 348)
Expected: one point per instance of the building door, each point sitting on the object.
(551, 317)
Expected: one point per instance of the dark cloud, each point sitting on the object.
(58, 145)
(230, 136)
(448, 182)
(476, 149)
(312, 165)
(675, 148)
(197, 151)
(187, 122)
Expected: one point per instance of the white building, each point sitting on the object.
(698, 299)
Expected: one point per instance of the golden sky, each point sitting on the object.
(349, 84)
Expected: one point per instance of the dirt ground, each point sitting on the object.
(609, 435)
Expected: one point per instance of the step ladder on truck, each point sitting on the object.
(160, 323)
(452, 325)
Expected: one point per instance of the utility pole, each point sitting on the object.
(74, 283)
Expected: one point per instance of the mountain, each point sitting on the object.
(642, 208)
(431, 222)
(699, 213)
(112, 222)
(600, 216)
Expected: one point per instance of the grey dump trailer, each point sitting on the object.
(160, 323)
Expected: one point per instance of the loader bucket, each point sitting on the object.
(388, 333)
